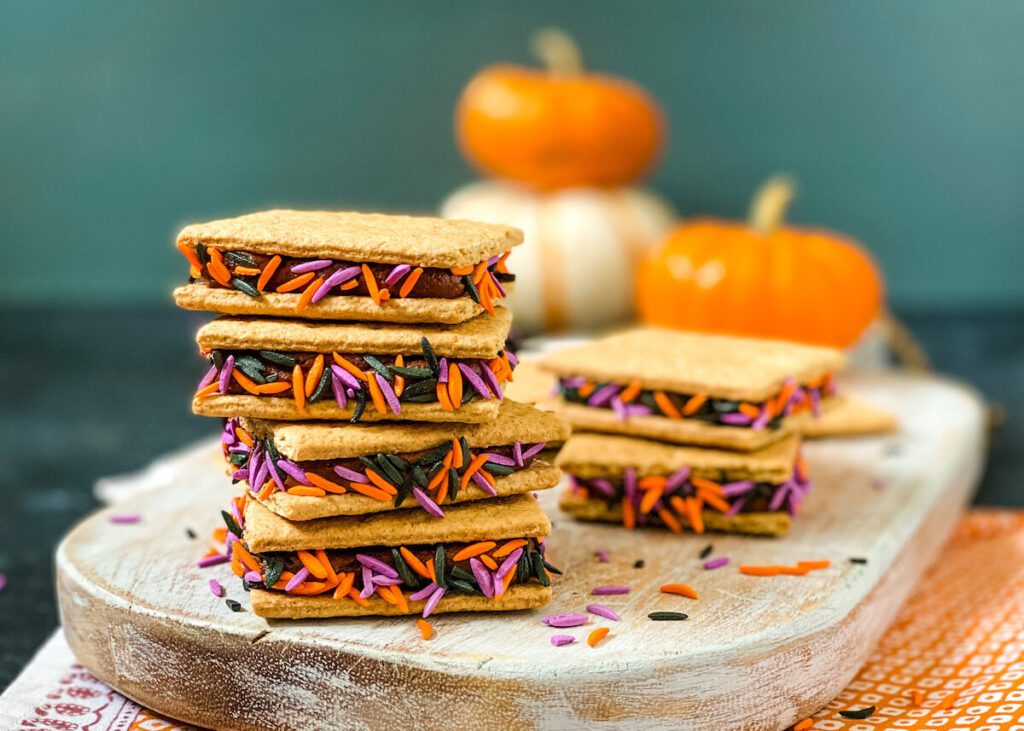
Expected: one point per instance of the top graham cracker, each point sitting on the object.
(358, 237)
(719, 366)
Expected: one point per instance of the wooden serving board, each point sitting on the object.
(756, 653)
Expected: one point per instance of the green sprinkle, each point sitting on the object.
(389, 469)
(465, 452)
(273, 566)
(238, 459)
(230, 523)
(204, 258)
(420, 388)
(233, 605)
(379, 367)
(523, 567)
(419, 476)
(251, 367)
(707, 551)
(271, 450)
(279, 358)
(463, 586)
(429, 356)
(725, 407)
(403, 568)
(552, 569)
(369, 462)
(217, 357)
(360, 406)
(457, 572)
(439, 566)
(404, 491)
(240, 257)
(537, 561)
(244, 287)
(859, 713)
(504, 276)
(453, 484)
(435, 455)
(412, 371)
(668, 616)
(471, 288)
(321, 386)
(424, 398)
(499, 469)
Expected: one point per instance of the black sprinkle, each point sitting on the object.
(190, 533)
(857, 559)
(430, 356)
(229, 521)
(243, 286)
(668, 616)
(233, 605)
(859, 713)
(639, 563)
(273, 566)
(280, 358)
(707, 551)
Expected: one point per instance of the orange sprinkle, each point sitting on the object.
(286, 576)
(489, 562)
(479, 271)
(442, 474)
(508, 547)
(300, 281)
(948, 701)
(670, 520)
(375, 394)
(400, 602)
(586, 389)
(630, 392)
(243, 436)
(399, 385)
(628, 515)
(381, 482)
(217, 269)
(442, 397)
(455, 385)
(208, 390)
(474, 464)
(298, 388)
(190, 254)
(385, 295)
(665, 404)
(486, 296)
(456, 453)
(350, 284)
(385, 593)
(354, 596)
(236, 567)
(761, 570)
(344, 585)
(597, 635)
(313, 377)
(307, 294)
(442, 494)
(267, 273)
(348, 366)
(652, 482)
(716, 502)
(814, 565)
(431, 570)
(801, 467)
(324, 484)
(462, 271)
(502, 264)
(312, 564)
(694, 403)
(702, 483)
(371, 284)
(426, 630)
(488, 477)
(414, 563)
(918, 697)
(311, 587)
(267, 490)
(794, 570)
(680, 590)
(220, 535)
(650, 498)
(244, 382)
(247, 271)
(374, 492)
(803, 725)
(305, 491)
(749, 410)
(273, 387)
(695, 513)
(474, 550)
(321, 556)
(410, 282)
(237, 551)
(508, 580)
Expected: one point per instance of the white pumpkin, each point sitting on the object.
(576, 268)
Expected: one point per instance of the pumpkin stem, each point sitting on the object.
(557, 51)
(770, 203)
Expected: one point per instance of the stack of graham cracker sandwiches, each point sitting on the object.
(359, 363)
(689, 431)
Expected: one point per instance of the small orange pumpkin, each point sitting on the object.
(761, 279)
(560, 127)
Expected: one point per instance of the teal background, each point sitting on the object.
(121, 121)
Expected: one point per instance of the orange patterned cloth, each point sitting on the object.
(954, 657)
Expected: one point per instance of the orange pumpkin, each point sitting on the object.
(559, 127)
(760, 278)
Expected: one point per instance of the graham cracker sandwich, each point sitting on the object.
(339, 265)
(641, 483)
(691, 388)
(477, 559)
(309, 470)
(297, 370)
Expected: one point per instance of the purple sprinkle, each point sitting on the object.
(877, 483)
(426, 503)
(379, 580)
(442, 368)
(492, 381)
(573, 382)
(474, 379)
(424, 592)
(389, 393)
(225, 374)
(496, 283)
(517, 453)
(217, 558)
(638, 410)
(483, 577)
(508, 564)
(512, 359)
(350, 475)
(736, 507)
(274, 474)
(293, 470)
(779, 497)
(347, 378)
(253, 577)
(762, 419)
(559, 640)
(311, 266)
(501, 460)
(255, 462)
(216, 589)
(483, 484)
(619, 409)
(716, 563)
(815, 402)
(432, 601)
(339, 277)
(209, 378)
(377, 565)
(534, 450)
(125, 519)
(603, 486)
(603, 395)
(609, 589)
(629, 483)
(239, 475)
(261, 476)
(737, 488)
(499, 586)
(602, 611)
(396, 274)
(602, 556)
(368, 586)
(299, 577)
(736, 419)
(338, 389)
(677, 478)
(565, 620)
(229, 541)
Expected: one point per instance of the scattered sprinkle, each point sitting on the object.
(814, 565)
(125, 518)
(918, 697)
(602, 556)
(609, 589)
(216, 589)
(639, 563)
(668, 616)
(859, 713)
(803, 725)
(716, 563)
(559, 640)
(233, 605)
(707, 551)
(425, 628)
(565, 620)
(190, 533)
(597, 635)
(217, 558)
(858, 559)
(602, 611)
(877, 483)
(679, 590)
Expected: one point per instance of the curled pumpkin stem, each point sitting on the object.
(768, 208)
(557, 51)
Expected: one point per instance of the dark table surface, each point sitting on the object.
(98, 392)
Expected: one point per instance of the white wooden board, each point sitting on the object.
(756, 653)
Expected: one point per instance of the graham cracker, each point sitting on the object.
(281, 409)
(720, 366)
(482, 337)
(847, 417)
(200, 296)
(538, 476)
(360, 237)
(679, 431)
(515, 422)
(517, 516)
(754, 524)
(599, 455)
(279, 605)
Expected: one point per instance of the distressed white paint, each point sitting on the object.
(757, 653)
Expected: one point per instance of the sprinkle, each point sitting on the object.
(565, 620)
(253, 577)
(814, 565)
(427, 503)
(918, 697)
(475, 381)
(560, 640)
(858, 559)
(442, 374)
(339, 277)
(474, 549)
(432, 601)
(371, 284)
(639, 563)
(602, 556)
(761, 570)
(224, 379)
(299, 577)
(410, 282)
(736, 419)
(233, 605)
(483, 577)
(267, 273)
(124, 519)
(298, 388)
(396, 274)
(216, 589)
(706, 551)
(803, 725)
(597, 635)
(680, 590)
(668, 616)
(602, 395)
(716, 563)
(508, 564)
(389, 394)
(426, 630)
(307, 294)
(377, 565)
(602, 611)
(210, 377)
(350, 475)
(859, 713)
(311, 266)
(609, 589)
(533, 451)
(217, 558)
(293, 284)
